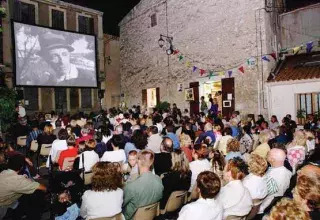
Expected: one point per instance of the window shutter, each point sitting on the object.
(158, 95)
(86, 98)
(144, 98)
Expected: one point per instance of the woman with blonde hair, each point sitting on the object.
(296, 150)
(255, 181)
(106, 192)
(178, 178)
(288, 209)
(233, 150)
(88, 158)
(47, 137)
(263, 149)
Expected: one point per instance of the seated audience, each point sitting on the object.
(263, 149)
(47, 137)
(118, 154)
(255, 181)
(170, 134)
(138, 142)
(162, 161)
(246, 141)
(58, 145)
(222, 145)
(200, 163)
(206, 207)
(106, 196)
(84, 136)
(218, 163)
(233, 150)
(274, 123)
(33, 135)
(145, 190)
(88, 158)
(72, 151)
(154, 139)
(208, 133)
(101, 147)
(130, 169)
(288, 209)
(178, 178)
(296, 151)
(235, 197)
(58, 127)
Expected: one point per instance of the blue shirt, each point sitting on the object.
(33, 135)
(203, 136)
(129, 147)
(175, 140)
(235, 131)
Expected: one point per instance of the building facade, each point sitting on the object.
(58, 15)
(209, 35)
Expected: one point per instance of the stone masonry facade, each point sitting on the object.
(218, 32)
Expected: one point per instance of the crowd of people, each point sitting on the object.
(240, 167)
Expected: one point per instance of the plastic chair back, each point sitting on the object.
(115, 217)
(22, 141)
(148, 212)
(34, 146)
(45, 149)
(175, 201)
(68, 163)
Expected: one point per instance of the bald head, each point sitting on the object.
(118, 129)
(208, 127)
(276, 157)
(167, 145)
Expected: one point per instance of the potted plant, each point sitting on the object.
(301, 116)
(7, 107)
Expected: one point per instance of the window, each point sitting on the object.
(31, 94)
(309, 102)
(85, 24)
(25, 12)
(74, 98)
(153, 20)
(57, 19)
(86, 98)
(60, 95)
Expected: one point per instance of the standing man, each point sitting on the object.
(203, 105)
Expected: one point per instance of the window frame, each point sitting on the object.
(154, 20)
(314, 101)
(36, 8)
(57, 8)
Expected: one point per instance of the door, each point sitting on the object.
(228, 99)
(195, 104)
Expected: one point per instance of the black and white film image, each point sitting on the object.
(47, 57)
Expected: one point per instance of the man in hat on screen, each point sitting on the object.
(56, 51)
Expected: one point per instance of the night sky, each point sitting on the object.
(114, 11)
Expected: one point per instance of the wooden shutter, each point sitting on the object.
(158, 95)
(86, 98)
(61, 99)
(195, 105)
(228, 88)
(31, 94)
(74, 98)
(144, 98)
(57, 19)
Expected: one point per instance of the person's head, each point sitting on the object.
(211, 100)
(233, 146)
(208, 127)
(288, 209)
(34, 124)
(288, 116)
(260, 117)
(217, 128)
(133, 158)
(71, 141)
(199, 152)
(58, 124)
(84, 131)
(274, 119)
(139, 139)
(299, 138)
(251, 118)
(48, 129)
(16, 163)
(257, 165)
(264, 137)
(180, 162)
(246, 130)
(170, 128)
(63, 134)
(202, 98)
(215, 101)
(145, 160)
(166, 145)
(208, 184)
(118, 129)
(152, 130)
(264, 125)
(307, 190)
(142, 121)
(117, 142)
(276, 157)
(90, 144)
(227, 131)
(236, 169)
(218, 161)
(106, 177)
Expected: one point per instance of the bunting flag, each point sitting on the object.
(202, 71)
(211, 74)
(230, 73)
(175, 52)
(180, 57)
(309, 47)
(296, 50)
(241, 69)
(188, 64)
(194, 69)
(221, 73)
(265, 58)
(274, 55)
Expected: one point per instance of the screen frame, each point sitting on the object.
(13, 21)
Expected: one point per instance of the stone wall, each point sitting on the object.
(216, 32)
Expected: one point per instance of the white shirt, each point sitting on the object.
(57, 145)
(154, 143)
(202, 209)
(274, 125)
(101, 204)
(105, 139)
(256, 185)
(196, 168)
(90, 159)
(278, 181)
(235, 199)
(222, 144)
(114, 156)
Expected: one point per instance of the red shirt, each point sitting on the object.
(72, 152)
(83, 138)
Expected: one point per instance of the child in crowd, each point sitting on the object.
(130, 169)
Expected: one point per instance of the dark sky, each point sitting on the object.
(114, 11)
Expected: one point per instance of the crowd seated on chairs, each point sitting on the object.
(133, 164)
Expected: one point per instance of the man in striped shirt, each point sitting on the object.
(33, 135)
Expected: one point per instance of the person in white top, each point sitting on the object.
(154, 140)
(106, 197)
(57, 146)
(118, 154)
(278, 177)
(256, 182)
(226, 138)
(89, 157)
(235, 197)
(200, 163)
(206, 207)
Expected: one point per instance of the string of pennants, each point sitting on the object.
(243, 65)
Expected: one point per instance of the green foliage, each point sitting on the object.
(301, 113)
(7, 107)
(163, 105)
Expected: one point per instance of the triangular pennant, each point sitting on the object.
(221, 73)
(180, 57)
(202, 71)
(188, 64)
(230, 73)
(265, 58)
(241, 69)
(274, 55)
(194, 68)
(211, 74)
(309, 47)
(296, 50)
(175, 52)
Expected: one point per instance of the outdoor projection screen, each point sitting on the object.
(48, 57)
